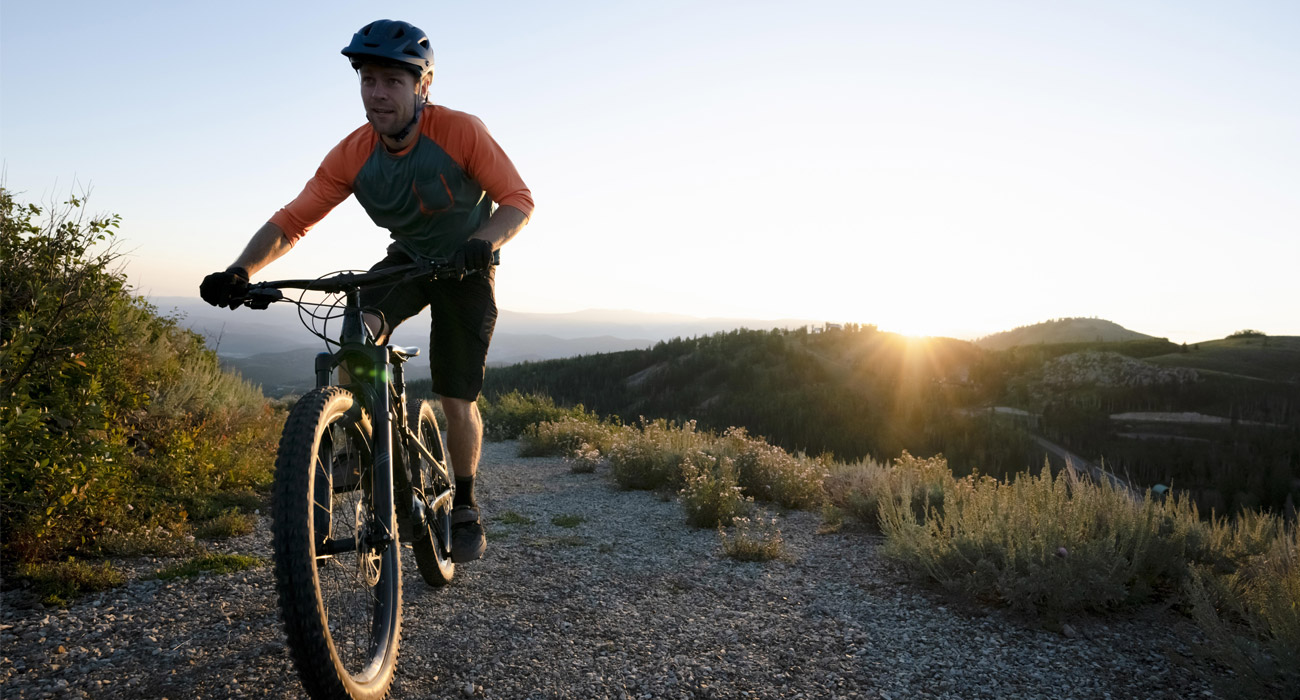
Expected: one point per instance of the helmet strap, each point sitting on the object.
(420, 101)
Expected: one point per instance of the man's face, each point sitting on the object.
(388, 95)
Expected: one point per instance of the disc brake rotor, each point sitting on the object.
(367, 555)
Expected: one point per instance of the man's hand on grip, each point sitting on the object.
(475, 254)
(226, 288)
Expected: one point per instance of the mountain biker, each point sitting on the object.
(443, 188)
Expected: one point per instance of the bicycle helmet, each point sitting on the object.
(392, 41)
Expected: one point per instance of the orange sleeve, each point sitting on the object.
(331, 184)
(465, 138)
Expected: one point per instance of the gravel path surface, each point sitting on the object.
(630, 603)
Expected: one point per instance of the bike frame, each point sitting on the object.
(378, 383)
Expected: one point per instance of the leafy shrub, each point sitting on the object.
(166, 533)
(861, 488)
(568, 434)
(1249, 604)
(115, 419)
(754, 539)
(509, 415)
(710, 494)
(832, 519)
(229, 524)
(650, 455)
(769, 473)
(584, 459)
(1043, 544)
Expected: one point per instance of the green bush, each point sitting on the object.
(566, 435)
(753, 539)
(710, 494)
(650, 455)
(509, 415)
(769, 473)
(861, 488)
(115, 419)
(1246, 597)
(584, 459)
(229, 524)
(1042, 544)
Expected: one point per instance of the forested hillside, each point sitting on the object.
(856, 391)
(853, 391)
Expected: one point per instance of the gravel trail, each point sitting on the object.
(630, 603)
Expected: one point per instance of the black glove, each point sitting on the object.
(225, 288)
(476, 254)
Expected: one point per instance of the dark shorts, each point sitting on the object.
(464, 314)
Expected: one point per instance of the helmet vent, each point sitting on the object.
(399, 33)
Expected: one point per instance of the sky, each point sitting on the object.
(935, 168)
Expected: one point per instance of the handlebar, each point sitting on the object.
(260, 295)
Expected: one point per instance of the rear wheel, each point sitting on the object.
(433, 547)
(338, 575)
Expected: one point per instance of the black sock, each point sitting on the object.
(464, 493)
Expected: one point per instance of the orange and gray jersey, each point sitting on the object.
(431, 197)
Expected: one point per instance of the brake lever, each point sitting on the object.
(262, 298)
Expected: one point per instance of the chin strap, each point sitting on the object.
(415, 119)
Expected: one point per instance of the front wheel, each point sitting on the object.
(433, 547)
(337, 567)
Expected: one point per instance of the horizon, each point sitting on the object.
(812, 322)
(935, 169)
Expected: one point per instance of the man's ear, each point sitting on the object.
(425, 82)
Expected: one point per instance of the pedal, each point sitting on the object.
(412, 527)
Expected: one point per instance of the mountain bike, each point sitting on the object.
(356, 476)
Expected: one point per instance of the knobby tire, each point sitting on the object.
(431, 557)
(342, 612)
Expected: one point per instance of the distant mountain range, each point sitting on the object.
(1061, 330)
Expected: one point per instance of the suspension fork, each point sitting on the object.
(385, 510)
(377, 364)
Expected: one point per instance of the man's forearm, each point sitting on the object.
(266, 245)
(505, 222)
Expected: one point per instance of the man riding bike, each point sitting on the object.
(443, 188)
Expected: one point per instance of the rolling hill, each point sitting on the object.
(1272, 358)
(1061, 330)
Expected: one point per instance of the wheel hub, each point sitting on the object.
(367, 554)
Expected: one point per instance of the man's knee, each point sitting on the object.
(459, 411)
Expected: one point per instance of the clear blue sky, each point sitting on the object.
(952, 168)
